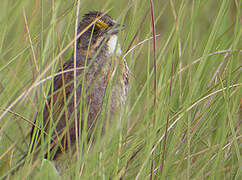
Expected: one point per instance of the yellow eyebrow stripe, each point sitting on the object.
(101, 24)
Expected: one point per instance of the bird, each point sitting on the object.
(99, 67)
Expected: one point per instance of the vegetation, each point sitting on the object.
(184, 116)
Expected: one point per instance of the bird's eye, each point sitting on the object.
(101, 25)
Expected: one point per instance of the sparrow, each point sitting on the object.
(100, 71)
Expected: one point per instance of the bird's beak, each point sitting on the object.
(115, 29)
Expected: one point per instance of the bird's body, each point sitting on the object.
(98, 64)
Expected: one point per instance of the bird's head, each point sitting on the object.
(99, 32)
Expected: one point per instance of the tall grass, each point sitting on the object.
(196, 131)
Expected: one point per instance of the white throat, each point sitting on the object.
(114, 46)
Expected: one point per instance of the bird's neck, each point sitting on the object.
(114, 46)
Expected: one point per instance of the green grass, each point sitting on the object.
(198, 58)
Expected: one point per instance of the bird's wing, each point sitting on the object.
(57, 100)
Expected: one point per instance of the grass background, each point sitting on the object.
(198, 57)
